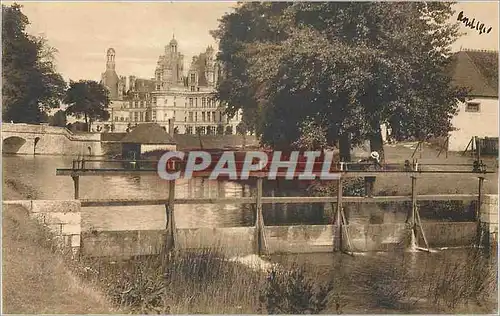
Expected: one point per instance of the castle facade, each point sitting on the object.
(185, 99)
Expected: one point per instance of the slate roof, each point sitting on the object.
(144, 85)
(478, 71)
(148, 133)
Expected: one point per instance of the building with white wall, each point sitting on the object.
(478, 116)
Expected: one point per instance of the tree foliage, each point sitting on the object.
(30, 83)
(347, 66)
(58, 119)
(89, 99)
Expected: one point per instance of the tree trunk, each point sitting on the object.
(345, 147)
(376, 142)
(87, 123)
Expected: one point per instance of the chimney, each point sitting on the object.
(171, 126)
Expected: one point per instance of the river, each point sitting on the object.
(36, 177)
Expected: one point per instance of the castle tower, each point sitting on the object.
(169, 69)
(193, 73)
(210, 67)
(109, 78)
(122, 87)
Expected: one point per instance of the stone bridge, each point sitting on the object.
(27, 139)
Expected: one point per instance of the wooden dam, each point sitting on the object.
(340, 235)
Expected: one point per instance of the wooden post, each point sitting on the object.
(338, 219)
(170, 225)
(478, 212)
(76, 184)
(473, 145)
(467, 148)
(479, 199)
(447, 145)
(259, 221)
(413, 200)
(478, 148)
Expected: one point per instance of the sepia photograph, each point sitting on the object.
(223, 157)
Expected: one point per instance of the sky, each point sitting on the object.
(138, 31)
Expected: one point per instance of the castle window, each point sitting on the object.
(136, 104)
(196, 116)
(136, 116)
(142, 104)
(203, 116)
(192, 88)
(193, 78)
(213, 116)
(203, 102)
(472, 107)
(198, 89)
(196, 102)
(191, 102)
(190, 116)
(174, 103)
(154, 100)
(157, 87)
(131, 104)
(153, 114)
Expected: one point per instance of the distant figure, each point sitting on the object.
(373, 165)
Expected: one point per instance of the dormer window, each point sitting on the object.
(472, 107)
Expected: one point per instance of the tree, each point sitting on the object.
(30, 84)
(346, 66)
(89, 99)
(220, 129)
(59, 119)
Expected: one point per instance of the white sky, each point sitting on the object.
(82, 32)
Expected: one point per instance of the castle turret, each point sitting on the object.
(109, 77)
(210, 67)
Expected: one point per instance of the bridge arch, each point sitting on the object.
(12, 144)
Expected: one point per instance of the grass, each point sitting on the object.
(36, 280)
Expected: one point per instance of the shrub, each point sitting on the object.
(291, 292)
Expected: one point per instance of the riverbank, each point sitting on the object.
(36, 280)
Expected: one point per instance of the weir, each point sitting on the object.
(341, 236)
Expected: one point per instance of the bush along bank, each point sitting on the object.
(204, 281)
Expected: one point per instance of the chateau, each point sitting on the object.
(185, 100)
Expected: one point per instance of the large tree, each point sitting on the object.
(346, 66)
(30, 84)
(88, 99)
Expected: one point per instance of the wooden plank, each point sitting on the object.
(206, 174)
(270, 200)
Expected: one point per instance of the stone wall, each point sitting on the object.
(63, 218)
(277, 239)
(489, 219)
(230, 241)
